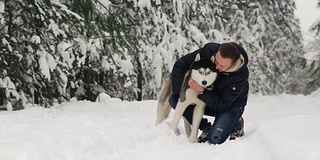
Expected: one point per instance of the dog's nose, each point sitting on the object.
(204, 82)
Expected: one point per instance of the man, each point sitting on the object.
(226, 102)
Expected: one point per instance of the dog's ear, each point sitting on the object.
(213, 59)
(198, 57)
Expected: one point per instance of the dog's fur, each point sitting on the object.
(204, 73)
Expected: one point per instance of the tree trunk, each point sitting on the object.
(139, 80)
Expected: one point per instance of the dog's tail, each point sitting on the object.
(166, 88)
(164, 107)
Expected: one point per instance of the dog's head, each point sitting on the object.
(204, 70)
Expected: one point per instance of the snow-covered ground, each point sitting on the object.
(283, 127)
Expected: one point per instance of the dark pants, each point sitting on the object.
(223, 124)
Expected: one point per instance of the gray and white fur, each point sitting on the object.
(205, 77)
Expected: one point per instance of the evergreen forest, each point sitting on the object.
(55, 50)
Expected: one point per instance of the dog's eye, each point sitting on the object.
(208, 72)
(200, 71)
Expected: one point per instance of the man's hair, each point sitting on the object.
(228, 50)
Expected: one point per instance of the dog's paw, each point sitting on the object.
(176, 132)
(193, 139)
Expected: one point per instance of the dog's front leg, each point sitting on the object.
(181, 107)
(187, 127)
(197, 117)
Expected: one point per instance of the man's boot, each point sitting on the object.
(203, 137)
(238, 131)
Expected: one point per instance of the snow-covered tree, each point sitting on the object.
(275, 69)
(55, 49)
(313, 54)
(32, 35)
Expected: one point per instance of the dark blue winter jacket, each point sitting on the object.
(230, 89)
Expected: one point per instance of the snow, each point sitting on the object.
(47, 63)
(54, 27)
(126, 67)
(307, 12)
(144, 4)
(36, 39)
(5, 42)
(276, 127)
(65, 9)
(2, 6)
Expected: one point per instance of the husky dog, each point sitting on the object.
(203, 72)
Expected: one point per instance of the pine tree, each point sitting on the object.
(61, 49)
(282, 48)
(314, 64)
(33, 34)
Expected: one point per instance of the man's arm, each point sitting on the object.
(223, 100)
(179, 70)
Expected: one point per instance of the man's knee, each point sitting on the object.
(217, 136)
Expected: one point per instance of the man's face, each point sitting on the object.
(222, 64)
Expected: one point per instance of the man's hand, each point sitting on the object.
(195, 86)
